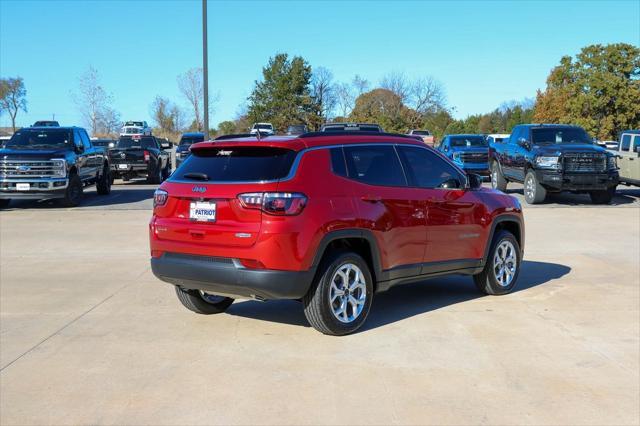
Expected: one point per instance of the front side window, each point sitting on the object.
(625, 143)
(427, 170)
(85, 139)
(374, 165)
(636, 143)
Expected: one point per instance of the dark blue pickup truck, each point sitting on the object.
(553, 158)
(469, 152)
(51, 162)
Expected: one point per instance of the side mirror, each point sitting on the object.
(474, 181)
(446, 148)
(79, 149)
(451, 184)
(524, 143)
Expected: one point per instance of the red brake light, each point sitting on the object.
(146, 156)
(276, 203)
(160, 198)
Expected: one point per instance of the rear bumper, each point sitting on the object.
(577, 182)
(227, 277)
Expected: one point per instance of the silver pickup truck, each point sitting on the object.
(628, 153)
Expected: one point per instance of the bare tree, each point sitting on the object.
(13, 97)
(168, 117)
(190, 84)
(345, 98)
(426, 95)
(397, 83)
(109, 122)
(360, 85)
(93, 102)
(323, 92)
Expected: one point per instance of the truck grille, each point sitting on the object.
(474, 157)
(585, 162)
(29, 169)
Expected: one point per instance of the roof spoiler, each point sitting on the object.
(352, 133)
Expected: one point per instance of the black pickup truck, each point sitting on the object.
(553, 158)
(138, 155)
(51, 162)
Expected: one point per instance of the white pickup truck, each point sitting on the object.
(628, 154)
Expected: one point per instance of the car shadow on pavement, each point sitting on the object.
(89, 199)
(622, 196)
(404, 301)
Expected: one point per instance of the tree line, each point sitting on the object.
(598, 90)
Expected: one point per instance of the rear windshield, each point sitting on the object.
(553, 135)
(40, 139)
(242, 164)
(190, 140)
(136, 143)
(263, 126)
(421, 133)
(462, 141)
(133, 123)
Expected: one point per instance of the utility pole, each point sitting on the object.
(205, 70)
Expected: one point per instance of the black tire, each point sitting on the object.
(154, 175)
(317, 304)
(166, 172)
(197, 302)
(602, 197)
(487, 280)
(534, 193)
(498, 181)
(103, 186)
(4, 203)
(73, 193)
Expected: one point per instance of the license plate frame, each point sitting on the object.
(203, 211)
(123, 166)
(23, 186)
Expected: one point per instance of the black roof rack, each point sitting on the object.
(353, 133)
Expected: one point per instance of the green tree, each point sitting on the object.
(226, 128)
(13, 97)
(599, 90)
(384, 107)
(283, 96)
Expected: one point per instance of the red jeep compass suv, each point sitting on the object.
(328, 219)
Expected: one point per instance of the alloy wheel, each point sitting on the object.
(505, 263)
(529, 189)
(348, 293)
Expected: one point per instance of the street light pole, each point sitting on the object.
(205, 70)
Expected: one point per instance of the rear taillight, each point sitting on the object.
(146, 156)
(276, 203)
(160, 198)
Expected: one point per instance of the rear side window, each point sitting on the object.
(375, 165)
(238, 164)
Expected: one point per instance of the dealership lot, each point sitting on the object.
(89, 335)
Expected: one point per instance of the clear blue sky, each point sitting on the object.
(483, 52)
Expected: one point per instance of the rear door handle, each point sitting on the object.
(372, 198)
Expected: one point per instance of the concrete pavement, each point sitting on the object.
(88, 335)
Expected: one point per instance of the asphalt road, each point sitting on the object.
(89, 336)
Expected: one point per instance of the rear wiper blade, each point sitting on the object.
(196, 175)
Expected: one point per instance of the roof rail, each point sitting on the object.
(352, 133)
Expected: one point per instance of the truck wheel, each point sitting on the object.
(155, 175)
(4, 203)
(534, 193)
(201, 302)
(73, 194)
(166, 172)
(340, 297)
(498, 181)
(104, 182)
(501, 271)
(602, 197)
